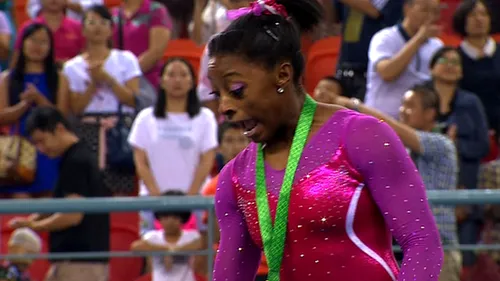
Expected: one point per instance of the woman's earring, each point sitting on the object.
(280, 90)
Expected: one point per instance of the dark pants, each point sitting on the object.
(261, 278)
(353, 80)
(468, 232)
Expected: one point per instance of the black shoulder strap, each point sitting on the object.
(120, 28)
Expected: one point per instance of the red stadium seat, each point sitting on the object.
(451, 40)
(124, 269)
(321, 61)
(112, 3)
(39, 268)
(200, 277)
(125, 219)
(19, 12)
(186, 49)
(446, 19)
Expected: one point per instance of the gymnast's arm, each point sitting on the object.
(398, 190)
(238, 257)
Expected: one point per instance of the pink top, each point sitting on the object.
(68, 38)
(136, 32)
(354, 187)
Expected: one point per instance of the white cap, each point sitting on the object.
(26, 238)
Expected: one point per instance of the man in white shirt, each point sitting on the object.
(399, 56)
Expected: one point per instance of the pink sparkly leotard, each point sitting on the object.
(355, 186)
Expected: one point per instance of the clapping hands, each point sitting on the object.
(429, 30)
(32, 95)
(97, 72)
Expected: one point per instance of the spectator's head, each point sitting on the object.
(235, 4)
(24, 241)
(256, 66)
(231, 139)
(49, 131)
(472, 19)
(53, 6)
(446, 66)
(420, 108)
(328, 89)
(177, 87)
(36, 44)
(98, 25)
(419, 12)
(172, 222)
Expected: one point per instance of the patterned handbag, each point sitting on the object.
(17, 160)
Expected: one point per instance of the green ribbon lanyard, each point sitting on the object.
(273, 237)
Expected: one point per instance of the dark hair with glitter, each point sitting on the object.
(183, 216)
(462, 12)
(270, 39)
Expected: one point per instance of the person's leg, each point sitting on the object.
(468, 234)
(452, 266)
(81, 271)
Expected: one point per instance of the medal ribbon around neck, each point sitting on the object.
(273, 237)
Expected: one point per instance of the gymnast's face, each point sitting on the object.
(248, 95)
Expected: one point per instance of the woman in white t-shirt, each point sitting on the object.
(171, 238)
(174, 142)
(100, 80)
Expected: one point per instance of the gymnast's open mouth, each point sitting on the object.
(249, 126)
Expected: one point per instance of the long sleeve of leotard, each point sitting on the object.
(238, 257)
(397, 188)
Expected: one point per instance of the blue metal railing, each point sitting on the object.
(104, 205)
(126, 204)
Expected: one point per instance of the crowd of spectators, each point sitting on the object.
(76, 80)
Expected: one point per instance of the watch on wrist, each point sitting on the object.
(355, 104)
